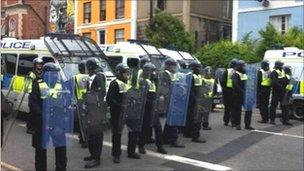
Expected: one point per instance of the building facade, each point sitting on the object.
(24, 19)
(252, 16)
(109, 21)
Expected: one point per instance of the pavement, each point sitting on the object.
(269, 147)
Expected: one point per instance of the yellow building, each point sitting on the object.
(106, 21)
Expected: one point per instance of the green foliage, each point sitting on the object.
(293, 38)
(219, 54)
(167, 31)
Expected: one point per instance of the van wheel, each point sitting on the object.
(298, 111)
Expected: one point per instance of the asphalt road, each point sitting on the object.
(268, 148)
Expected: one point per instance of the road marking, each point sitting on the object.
(277, 133)
(10, 167)
(179, 159)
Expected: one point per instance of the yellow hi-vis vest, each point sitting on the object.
(243, 77)
(302, 88)
(151, 85)
(29, 82)
(209, 83)
(229, 77)
(81, 81)
(138, 78)
(266, 81)
(17, 84)
(281, 74)
(198, 80)
(123, 87)
(289, 85)
(46, 92)
(173, 76)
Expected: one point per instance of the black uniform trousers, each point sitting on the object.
(170, 134)
(264, 94)
(95, 145)
(276, 98)
(158, 131)
(41, 162)
(247, 118)
(236, 110)
(192, 129)
(228, 103)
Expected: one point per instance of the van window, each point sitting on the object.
(25, 64)
(9, 63)
(114, 61)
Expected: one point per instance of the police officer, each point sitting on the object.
(32, 75)
(117, 89)
(170, 134)
(210, 85)
(80, 80)
(35, 105)
(149, 133)
(263, 90)
(238, 90)
(278, 84)
(193, 124)
(226, 84)
(97, 84)
(149, 75)
(288, 94)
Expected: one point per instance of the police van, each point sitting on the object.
(64, 50)
(293, 57)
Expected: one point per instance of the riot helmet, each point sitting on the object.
(278, 65)
(208, 71)
(92, 65)
(50, 73)
(148, 70)
(287, 69)
(240, 66)
(144, 60)
(171, 65)
(265, 65)
(195, 67)
(133, 62)
(38, 64)
(50, 66)
(122, 72)
(82, 67)
(232, 63)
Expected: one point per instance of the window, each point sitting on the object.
(280, 23)
(86, 35)
(161, 4)
(9, 63)
(87, 12)
(102, 37)
(225, 8)
(120, 9)
(119, 35)
(25, 64)
(102, 7)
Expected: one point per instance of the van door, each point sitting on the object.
(8, 70)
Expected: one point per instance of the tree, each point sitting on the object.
(167, 31)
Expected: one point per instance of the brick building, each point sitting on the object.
(24, 19)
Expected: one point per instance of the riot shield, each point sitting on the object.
(178, 106)
(94, 112)
(200, 104)
(163, 93)
(57, 112)
(134, 107)
(250, 87)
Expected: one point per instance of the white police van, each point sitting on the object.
(293, 57)
(64, 50)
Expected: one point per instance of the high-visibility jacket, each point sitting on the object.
(152, 86)
(81, 82)
(173, 76)
(17, 84)
(243, 77)
(229, 77)
(123, 87)
(198, 80)
(209, 83)
(289, 86)
(281, 74)
(47, 92)
(266, 81)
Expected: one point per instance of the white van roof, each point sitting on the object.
(171, 53)
(135, 48)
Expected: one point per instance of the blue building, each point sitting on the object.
(254, 15)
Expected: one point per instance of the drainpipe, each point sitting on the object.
(235, 22)
(133, 19)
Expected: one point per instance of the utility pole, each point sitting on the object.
(151, 10)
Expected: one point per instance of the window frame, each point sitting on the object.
(119, 38)
(85, 13)
(102, 10)
(119, 9)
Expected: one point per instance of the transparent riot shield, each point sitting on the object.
(57, 111)
(163, 93)
(134, 107)
(250, 87)
(178, 106)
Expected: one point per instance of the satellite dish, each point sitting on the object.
(265, 3)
